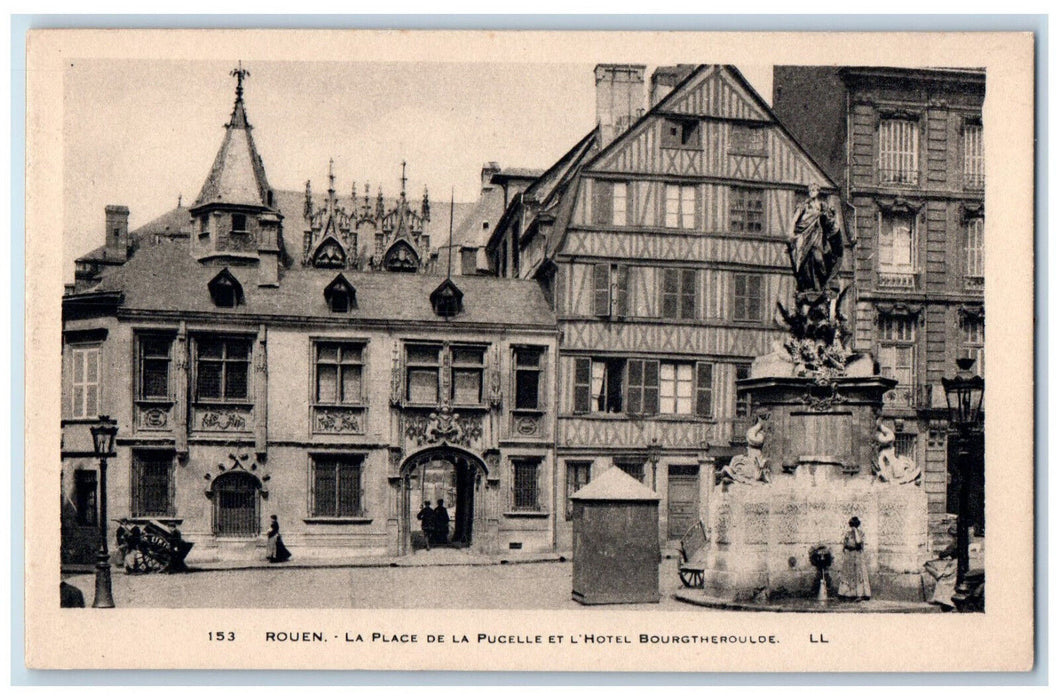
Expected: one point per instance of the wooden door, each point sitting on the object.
(683, 498)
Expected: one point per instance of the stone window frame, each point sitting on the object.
(360, 363)
(355, 461)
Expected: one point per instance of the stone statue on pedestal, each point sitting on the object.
(889, 466)
(751, 468)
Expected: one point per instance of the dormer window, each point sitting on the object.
(447, 299)
(340, 295)
(225, 290)
(239, 223)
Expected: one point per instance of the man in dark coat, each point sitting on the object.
(441, 523)
(425, 516)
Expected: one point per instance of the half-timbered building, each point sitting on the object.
(660, 240)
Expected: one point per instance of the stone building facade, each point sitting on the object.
(660, 240)
(266, 352)
(906, 147)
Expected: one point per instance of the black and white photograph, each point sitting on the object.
(584, 336)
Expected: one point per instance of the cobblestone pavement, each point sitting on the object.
(511, 586)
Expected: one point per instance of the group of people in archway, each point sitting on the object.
(434, 523)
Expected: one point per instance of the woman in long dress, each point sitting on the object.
(854, 582)
(276, 551)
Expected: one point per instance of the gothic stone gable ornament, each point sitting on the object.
(443, 426)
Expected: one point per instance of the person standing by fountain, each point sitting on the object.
(854, 581)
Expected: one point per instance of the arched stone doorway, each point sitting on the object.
(460, 479)
(236, 504)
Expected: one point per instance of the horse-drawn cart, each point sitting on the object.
(154, 547)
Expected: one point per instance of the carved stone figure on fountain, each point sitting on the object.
(751, 468)
(888, 465)
(814, 242)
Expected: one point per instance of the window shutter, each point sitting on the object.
(542, 381)
(754, 297)
(670, 292)
(650, 387)
(621, 291)
(582, 384)
(602, 202)
(704, 389)
(687, 294)
(739, 297)
(634, 398)
(601, 288)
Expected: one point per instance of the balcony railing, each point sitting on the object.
(890, 279)
(899, 176)
(973, 282)
(919, 396)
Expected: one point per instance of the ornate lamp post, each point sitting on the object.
(963, 394)
(654, 453)
(103, 445)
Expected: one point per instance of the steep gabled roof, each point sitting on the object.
(238, 175)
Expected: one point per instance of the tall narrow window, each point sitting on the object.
(747, 297)
(973, 330)
(598, 385)
(897, 355)
(154, 368)
(974, 247)
(582, 385)
(643, 387)
(85, 497)
(337, 486)
(85, 382)
(703, 389)
(578, 474)
(239, 223)
(222, 369)
(619, 203)
(424, 372)
(152, 483)
(526, 493)
(602, 202)
(468, 366)
(899, 151)
(746, 210)
(973, 159)
(897, 248)
(339, 370)
(676, 388)
(742, 399)
(527, 378)
(680, 206)
(601, 289)
(678, 293)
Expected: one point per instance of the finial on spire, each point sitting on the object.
(425, 211)
(404, 179)
(331, 174)
(180, 199)
(240, 73)
(308, 199)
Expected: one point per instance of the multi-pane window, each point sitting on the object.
(527, 378)
(610, 203)
(748, 140)
(972, 328)
(746, 210)
(748, 298)
(468, 367)
(152, 483)
(336, 486)
(974, 247)
(154, 368)
(681, 133)
(678, 293)
(578, 474)
(643, 387)
(973, 159)
(85, 497)
(423, 373)
(897, 234)
(680, 206)
(598, 385)
(610, 289)
(339, 373)
(703, 389)
(222, 367)
(526, 494)
(85, 382)
(899, 151)
(676, 388)
(897, 353)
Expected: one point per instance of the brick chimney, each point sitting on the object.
(665, 78)
(117, 231)
(488, 170)
(469, 260)
(620, 95)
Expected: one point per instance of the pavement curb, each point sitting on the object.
(880, 607)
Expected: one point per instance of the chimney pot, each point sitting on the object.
(620, 96)
(117, 231)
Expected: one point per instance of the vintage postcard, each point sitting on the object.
(529, 351)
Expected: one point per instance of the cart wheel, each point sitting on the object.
(155, 551)
(691, 579)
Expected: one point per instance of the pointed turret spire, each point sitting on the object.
(404, 180)
(308, 199)
(331, 179)
(237, 175)
(426, 205)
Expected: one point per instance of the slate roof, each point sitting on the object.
(165, 278)
(614, 485)
(237, 175)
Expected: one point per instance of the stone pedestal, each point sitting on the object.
(820, 445)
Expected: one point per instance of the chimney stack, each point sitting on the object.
(117, 231)
(488, 170)
(665, 78)
(469, 260)
(619, 98)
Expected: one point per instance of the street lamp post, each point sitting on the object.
(103, 446)
(963, 394)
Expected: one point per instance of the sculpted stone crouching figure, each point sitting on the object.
(889, 466)
(751, 468)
